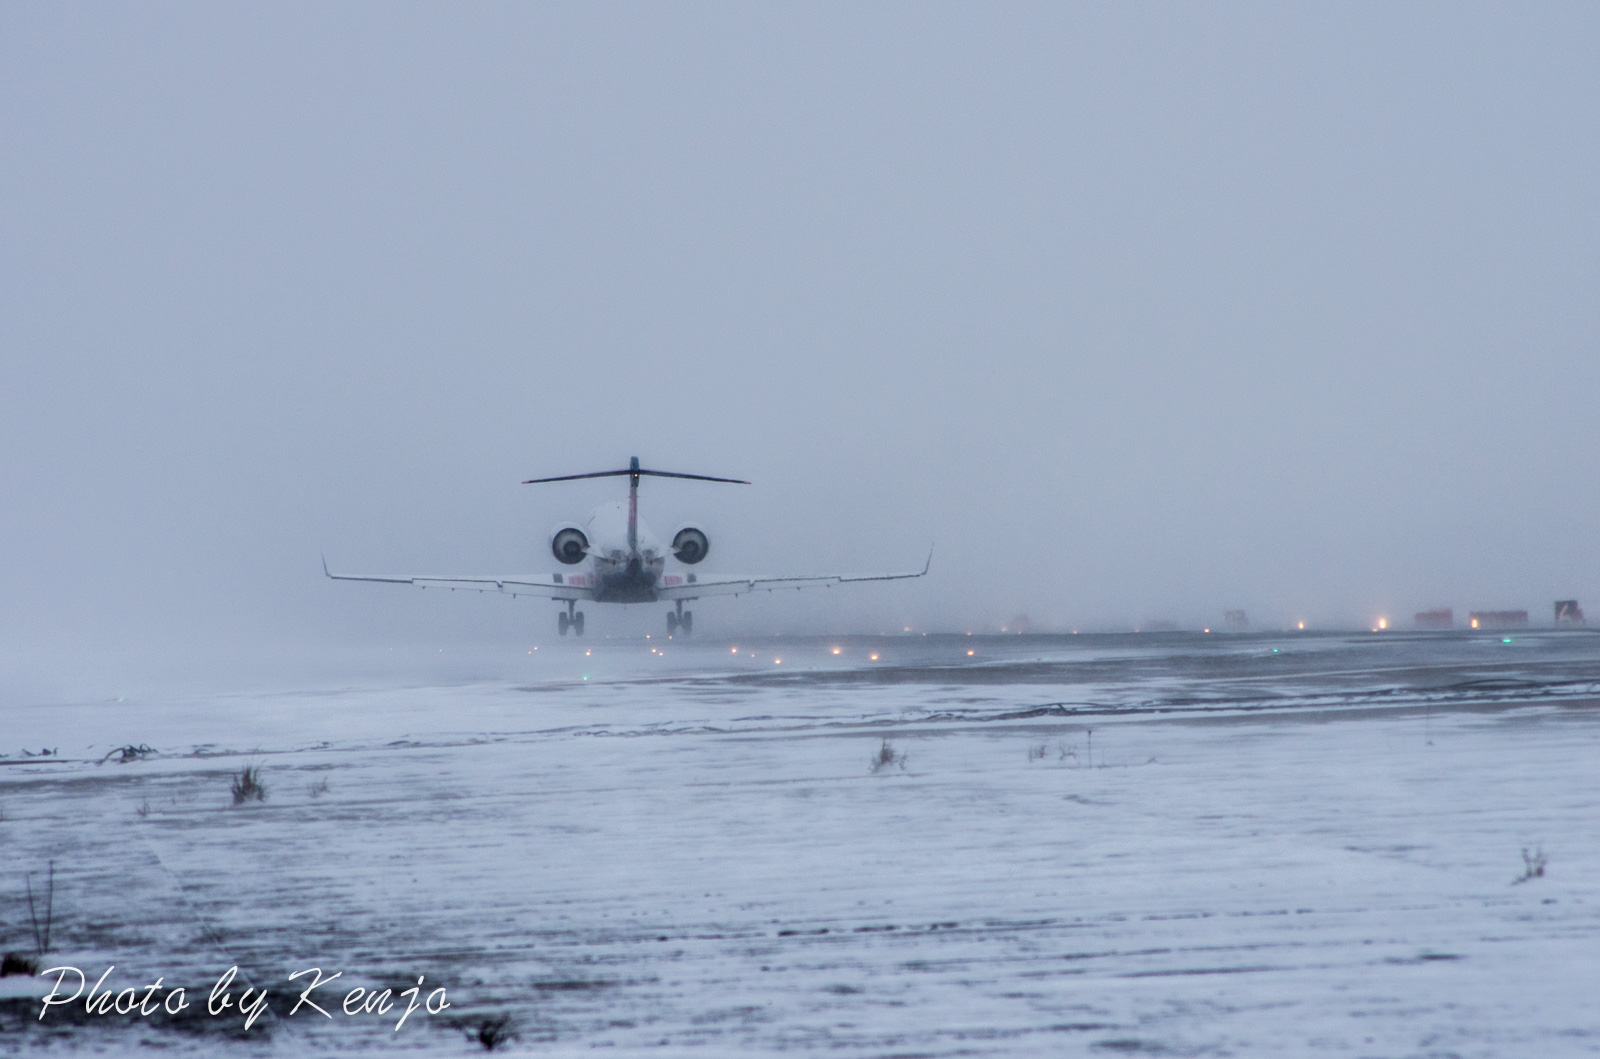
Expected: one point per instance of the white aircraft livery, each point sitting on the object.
(614, 558)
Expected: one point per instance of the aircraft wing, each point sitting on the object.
(518, 585)
(734, 586)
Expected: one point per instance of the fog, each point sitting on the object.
(1132, 311)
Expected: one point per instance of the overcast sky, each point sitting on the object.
(1138, 311)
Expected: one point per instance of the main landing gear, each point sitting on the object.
(572, 619)
(680, 619)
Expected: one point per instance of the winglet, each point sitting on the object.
(925, 565)
(325, 567)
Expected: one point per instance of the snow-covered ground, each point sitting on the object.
(1187, 845)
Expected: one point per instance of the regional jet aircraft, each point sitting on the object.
(614, 558)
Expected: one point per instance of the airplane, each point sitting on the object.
(614, 558)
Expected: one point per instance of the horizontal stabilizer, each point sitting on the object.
(634, 471)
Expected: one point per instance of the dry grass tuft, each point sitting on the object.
(1533, 862)
(887, 757)
(247, 786)
(125, 754)
(16, 963)
(494, 1032)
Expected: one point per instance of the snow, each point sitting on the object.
(1163, 845)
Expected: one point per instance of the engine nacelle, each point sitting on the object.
(569, 545)
(690, 544)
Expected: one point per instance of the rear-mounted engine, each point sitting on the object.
(690, 545)
(569, 545)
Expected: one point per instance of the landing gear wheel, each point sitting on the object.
(577, 623)
(680, 620)
(562, 621)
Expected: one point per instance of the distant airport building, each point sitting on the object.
(1158, 625)
(1443, 618)
(1235, 621)
(1497, 619)
(1569, 613)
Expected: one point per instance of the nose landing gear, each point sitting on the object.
(572, 619)
(680, 619)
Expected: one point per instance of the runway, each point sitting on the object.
(1173, 844)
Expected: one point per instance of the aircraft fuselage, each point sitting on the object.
(623, 571)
